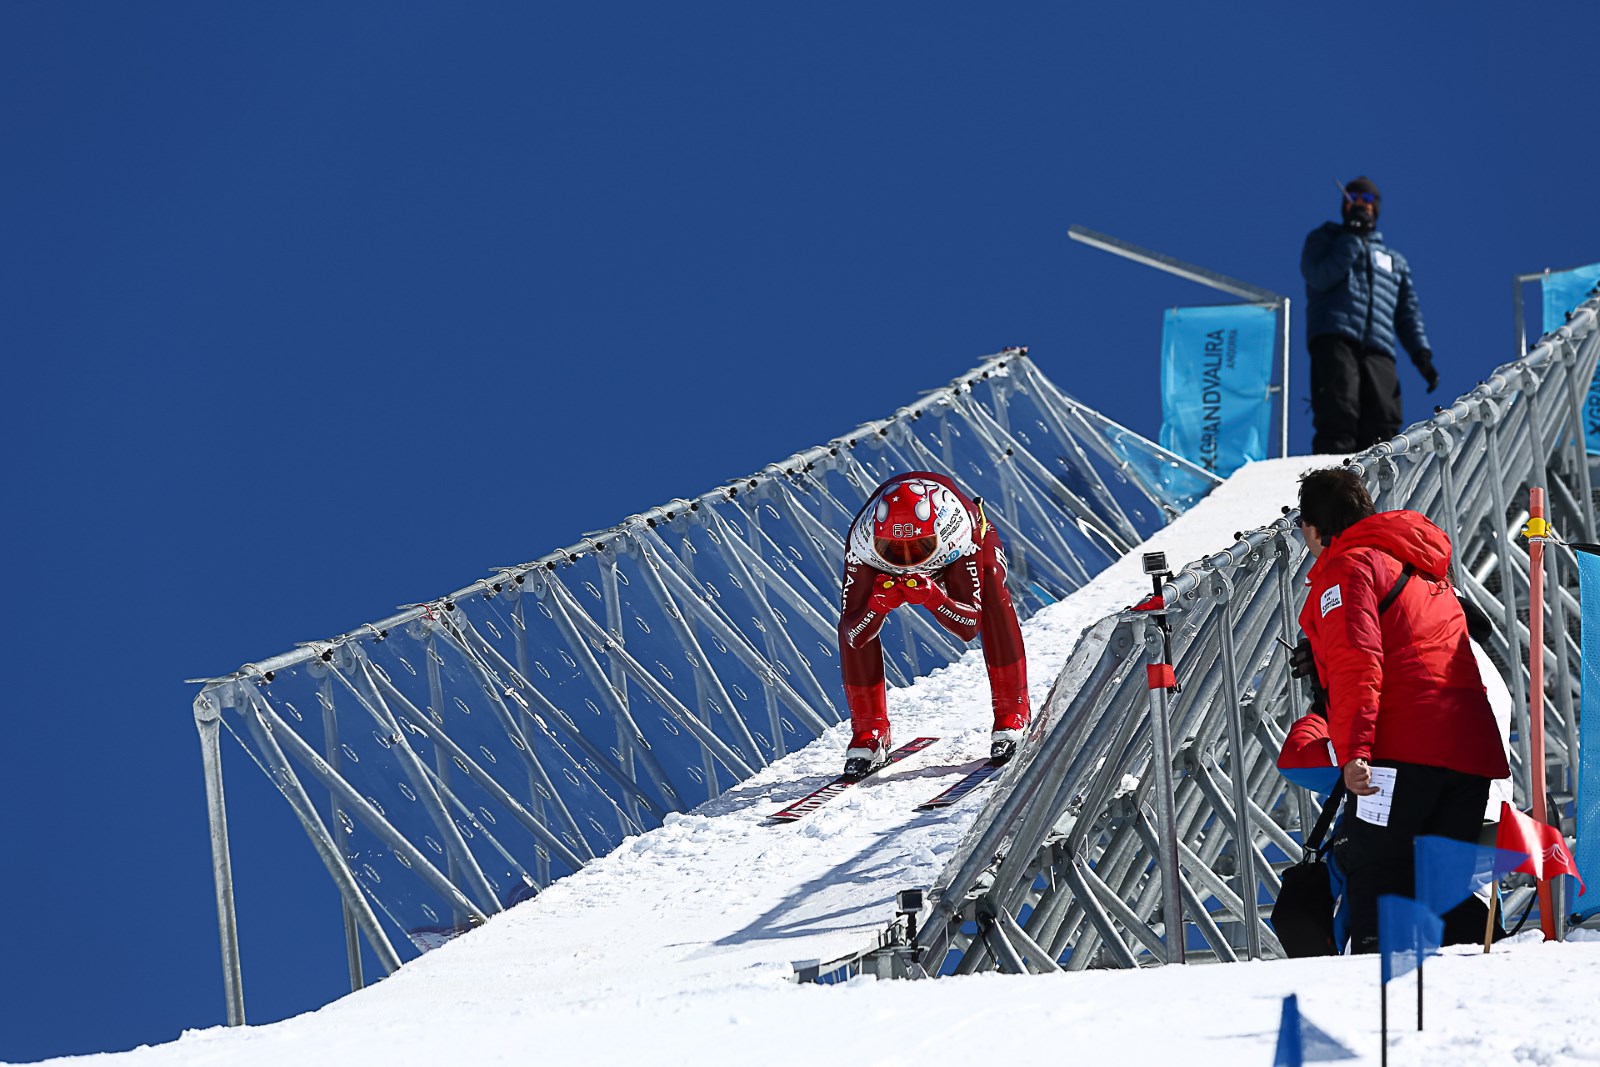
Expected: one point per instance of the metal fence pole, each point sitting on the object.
(330, 752)
(1244, 834)
(1160, 769)
(207, 719)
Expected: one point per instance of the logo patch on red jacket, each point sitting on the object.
(1331, 599)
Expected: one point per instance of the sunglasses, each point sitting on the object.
(1361, 198)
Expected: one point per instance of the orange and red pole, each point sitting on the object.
(1536, 531)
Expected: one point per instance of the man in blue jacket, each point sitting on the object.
(1359, 299)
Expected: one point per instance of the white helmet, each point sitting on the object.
(914, 526)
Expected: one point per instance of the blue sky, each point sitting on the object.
(313, 310)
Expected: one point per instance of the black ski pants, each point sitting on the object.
(1377, 860)
(1355, 395)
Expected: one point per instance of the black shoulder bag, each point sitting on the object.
(1303, 913)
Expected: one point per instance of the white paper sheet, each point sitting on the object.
(1375, 809)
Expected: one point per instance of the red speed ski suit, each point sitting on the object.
(969, 600)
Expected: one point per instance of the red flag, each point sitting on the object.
(1543, 844)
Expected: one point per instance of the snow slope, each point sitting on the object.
(677, 947)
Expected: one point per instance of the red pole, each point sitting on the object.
(1536, 530)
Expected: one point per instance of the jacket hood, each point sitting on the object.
(1406, 535)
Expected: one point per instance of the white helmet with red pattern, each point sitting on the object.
(914, 526)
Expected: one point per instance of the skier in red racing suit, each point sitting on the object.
(919, 540)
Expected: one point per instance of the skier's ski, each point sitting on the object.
(814, 800)
(967, 783)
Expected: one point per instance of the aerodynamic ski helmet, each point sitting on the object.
(914, 525)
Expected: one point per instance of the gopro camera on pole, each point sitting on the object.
(1162, 675)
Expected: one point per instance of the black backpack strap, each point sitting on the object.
(1313, 843)
(1394, 590)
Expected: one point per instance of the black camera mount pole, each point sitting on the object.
(1155, 565)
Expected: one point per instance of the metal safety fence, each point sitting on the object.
(457, 757)
(1150, 825)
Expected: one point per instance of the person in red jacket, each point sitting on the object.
(920, 540)
(1408, 718)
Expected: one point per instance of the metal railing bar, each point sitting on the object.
(606, 564)
(1005, 444)
(593, 631)
(1038, 960)
(207, 716)
(1102, 901)
(1074, 458)
(1194, 908)
(749, 564)
(330, 751)
(354, 803)
(463, 865)
(706, 681)
(479, 652)
(576, 624)
(419, 721)
(344, 878)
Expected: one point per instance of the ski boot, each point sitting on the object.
(1007, 738)
(866, 754)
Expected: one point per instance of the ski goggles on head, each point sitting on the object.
(1361, 198)
(909, 552)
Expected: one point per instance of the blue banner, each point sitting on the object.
(1562, 292)
(1586, 852)
(1216, 367)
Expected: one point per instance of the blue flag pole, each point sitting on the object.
(1407, 933)
(1383, 1019)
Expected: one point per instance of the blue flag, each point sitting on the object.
(1300, 1041)
(1563, 291)
(1291, 1051)
(1450, 871)
(1408, 933)
(1586, 852)
(1216, 371)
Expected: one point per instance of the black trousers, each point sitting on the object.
(1377, 860)
(1355, 395)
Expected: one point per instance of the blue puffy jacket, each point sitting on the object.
(1359, 288)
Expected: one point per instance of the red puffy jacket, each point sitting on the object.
(1405, 687)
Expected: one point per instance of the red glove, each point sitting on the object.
(888, 595)
(927, 592)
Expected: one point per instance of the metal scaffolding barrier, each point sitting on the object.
(1150, 826)
(457, 757)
